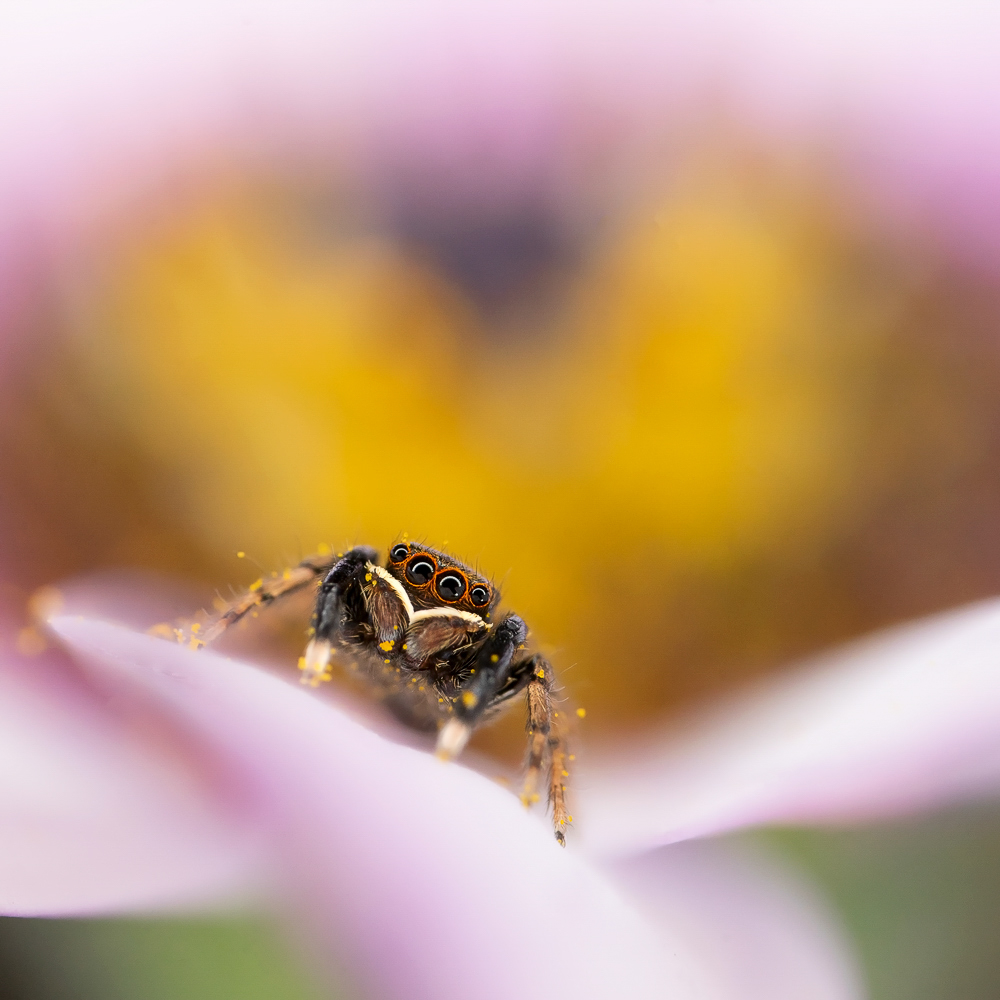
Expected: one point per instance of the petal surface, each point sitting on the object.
(93, 820)
(760, 932)
(904, 721)
(421, 879)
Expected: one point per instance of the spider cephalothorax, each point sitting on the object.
(423, 629)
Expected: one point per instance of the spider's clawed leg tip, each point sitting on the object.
(560, 838)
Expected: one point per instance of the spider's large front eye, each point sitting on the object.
(420, 570)
(479, 595)
(450, 586)
(399, 552)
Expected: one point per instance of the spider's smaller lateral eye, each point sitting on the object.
(420, 570)
(450, 586)
(399, 552)
(479, 595)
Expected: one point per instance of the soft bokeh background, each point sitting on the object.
(703, 393)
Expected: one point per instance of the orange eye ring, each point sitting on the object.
(450, 585)
(480, 600)
(420, 569)
(399, 552)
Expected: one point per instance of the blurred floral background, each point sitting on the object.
(682, 324)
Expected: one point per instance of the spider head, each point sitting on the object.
(435, 579)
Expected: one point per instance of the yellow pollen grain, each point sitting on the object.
(469, 699)
(323, 549)
(287, 575)
(494, 658)
(196, 627)
(565, 774)
(572, 756)
(241, 555)
(368, 578)
(302, 663)
(581, 712)
(404, 645)
(386, 661)
(257, 584)
(540, 674)
(387, 645)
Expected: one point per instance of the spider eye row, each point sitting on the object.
(449, 584)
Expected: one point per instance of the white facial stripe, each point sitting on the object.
(384, 574)
(415, 616)
(448, 613)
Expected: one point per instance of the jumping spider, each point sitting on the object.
(420, 630)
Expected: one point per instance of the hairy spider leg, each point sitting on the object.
(264, 591)
(328, 615)
(546, 730)
(489, 676)
(497, 678)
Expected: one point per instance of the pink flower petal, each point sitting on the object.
(423, 879)
(904, 721)
(759, 931)
(92, 822)
(99, 103)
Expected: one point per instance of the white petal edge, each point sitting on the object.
(904, 721)
(420, 878)
(95, 821)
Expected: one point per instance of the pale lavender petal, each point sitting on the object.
(100, 103)
(94, 821)
(759, 930)
(422, 879)
(905, 721)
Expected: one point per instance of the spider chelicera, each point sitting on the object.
(421, 629)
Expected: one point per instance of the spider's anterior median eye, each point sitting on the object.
(420, 570)
(479, 595)
(450, 586)
(399, 552)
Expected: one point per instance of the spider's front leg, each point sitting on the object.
(497, 678)
(489, 676)
(340, 595)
